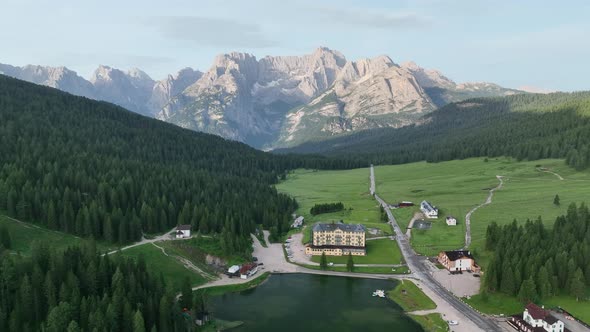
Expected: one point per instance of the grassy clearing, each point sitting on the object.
(431, 322)
(157, 262)
(381, 251)
(410, 297)
(351, 187)
(458, 186)
(197, 248)
(404, 215)
(498, 303)
(24, 234)
(220, 290)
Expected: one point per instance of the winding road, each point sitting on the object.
(419, 266)
(468, 216)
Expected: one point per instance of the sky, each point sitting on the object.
(538, 44)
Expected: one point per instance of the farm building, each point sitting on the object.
(429, 210)
(458, 260)
(248, 270)
(405, 204)
(183, 231)
(451, 221)
(535, 318)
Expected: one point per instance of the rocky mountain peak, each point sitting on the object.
(428, 78)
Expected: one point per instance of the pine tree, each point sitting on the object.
(507, 284)
(73, 327)
(323, 261)
(577, 287)
(5, 240)
(187, 294)
(138, 323)
(527, 291)
(543, 283)
(556, 200)
(349, 263)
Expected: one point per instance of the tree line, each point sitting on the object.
(96, 170)
(534, 263)
(524, 126)
(80, 290)
(326, 208)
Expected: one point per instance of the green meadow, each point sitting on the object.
(456, 187)
(351, 187)
(24, 234)
(157, 262)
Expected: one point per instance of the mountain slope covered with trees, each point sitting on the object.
(526, 126)
(94, 169)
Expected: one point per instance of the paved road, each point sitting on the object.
(419, 268)
(468, 216)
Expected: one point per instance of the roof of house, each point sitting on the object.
(319, 227)
(183, 227)
(458, 254)
(450, 217)
(246, 267)
(336, 247)
(427, 206)
(539, 313)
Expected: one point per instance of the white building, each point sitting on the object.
(233, 270)
(535, 318)
(298, 222)
(451, 221)
(183, 231)
(429, 210)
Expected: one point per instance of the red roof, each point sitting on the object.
(246, 268)
(536, 312)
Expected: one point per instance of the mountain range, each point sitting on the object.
(275, 101)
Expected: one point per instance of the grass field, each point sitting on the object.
(220, 290)
(431, 322)
(410, 297)
(23, 234)
(498, 303)
(173, 271)
(455, 187)
(381, 251)
(351, 187)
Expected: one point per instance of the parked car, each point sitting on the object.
(255, 259)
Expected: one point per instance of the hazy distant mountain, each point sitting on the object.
(276, 101)
(132, 89)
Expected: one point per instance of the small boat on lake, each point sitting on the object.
(379, 292)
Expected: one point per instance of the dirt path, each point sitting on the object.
(468, 216)
(165, 236)
(416, 216)
(548, 171)
(187, 263)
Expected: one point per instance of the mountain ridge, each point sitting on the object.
(274, 101)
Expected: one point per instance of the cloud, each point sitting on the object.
(217, 32)
(373, 18)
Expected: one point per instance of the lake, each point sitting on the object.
(303, 302)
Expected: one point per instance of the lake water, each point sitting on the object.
(302, 302)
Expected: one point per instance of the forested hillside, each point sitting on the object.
(527, 126)
(80, 290)
(96, 170)
(536, 263)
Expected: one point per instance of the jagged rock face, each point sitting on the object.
(131, 90)
(171, 86)
(276, 101)
(245, 99)
(369, 93)
(55, 77)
